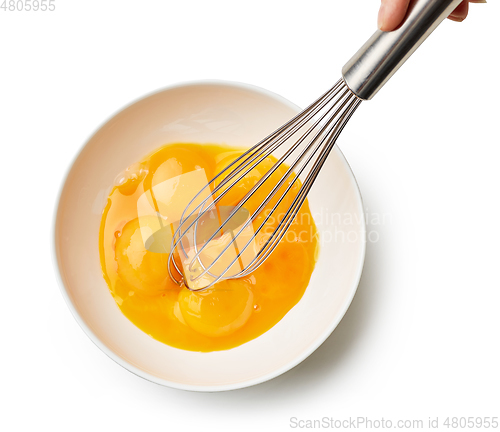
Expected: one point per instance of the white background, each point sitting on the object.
(421, 337)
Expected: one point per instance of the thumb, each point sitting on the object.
(391, 14)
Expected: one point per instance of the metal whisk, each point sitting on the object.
(307, 140)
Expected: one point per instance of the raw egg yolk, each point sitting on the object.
(172, 161)
(137, 267)
(218, 311)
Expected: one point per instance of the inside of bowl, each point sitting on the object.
(203, 113)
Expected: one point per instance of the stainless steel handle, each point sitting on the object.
(384, 53)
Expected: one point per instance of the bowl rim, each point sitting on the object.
(150, 377)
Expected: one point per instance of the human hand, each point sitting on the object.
(392, 12)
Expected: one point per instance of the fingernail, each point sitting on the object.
(381, 16)
(456, 19)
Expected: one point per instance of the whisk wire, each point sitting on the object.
(262, 180)
(346, 96)
(332, 111)
(296, 205)
(249, 156)
(287, 220)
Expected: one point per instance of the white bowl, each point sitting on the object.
(204, 112)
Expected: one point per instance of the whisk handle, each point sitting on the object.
(385, 52)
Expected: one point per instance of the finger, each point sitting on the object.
(460, 13)
(391, 14)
